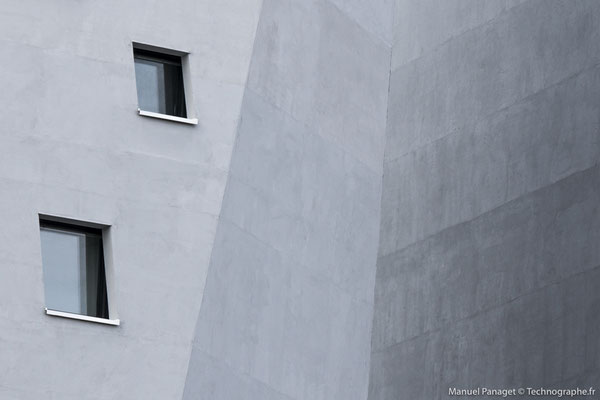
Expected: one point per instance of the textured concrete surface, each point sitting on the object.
(259, 255)
(288, 306)
(488, 257)
(73, 145)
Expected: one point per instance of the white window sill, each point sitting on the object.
(54, 313)
(191, 121)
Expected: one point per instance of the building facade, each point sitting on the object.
(358, 200)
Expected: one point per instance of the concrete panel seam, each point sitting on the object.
(370, 35)
(486, 310)
(391, 253)
(240, 372)
(387, 113)
(518, 102)
(319, 276)
(235, 141)
(487, 117)
(102, 195)
(306, 125)
(460, 34)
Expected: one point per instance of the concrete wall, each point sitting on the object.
(73, 145)
(287, 310)
(489, 261)
(250, 240)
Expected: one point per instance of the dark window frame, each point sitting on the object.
(156, 56)
(101, 290)
(175, 102)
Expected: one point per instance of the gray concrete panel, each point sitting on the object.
(288, 302)
(315, 63)
(546, 338)
(533, 143)
(471, 77)
(420, 27)
(524, 245)
(302, 197)
(217, 381)
(376, 17)
(488, 260)
(282, 325)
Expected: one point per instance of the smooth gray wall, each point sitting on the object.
(489, 260)
(287, 310)
(72, 144)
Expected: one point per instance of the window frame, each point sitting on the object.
(172, 57)
(67, 225)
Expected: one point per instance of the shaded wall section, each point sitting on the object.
(287, 311)
(488, 260)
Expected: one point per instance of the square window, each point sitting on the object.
(159, 82)
(73, 267)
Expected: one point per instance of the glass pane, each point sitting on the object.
(93, 248)
(74, 277)
(174, 93)
(63, 260)
(150, 82)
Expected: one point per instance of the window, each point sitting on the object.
(74, 270)
(159, 77)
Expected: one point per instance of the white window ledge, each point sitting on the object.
(63, 314)
(191, 121)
